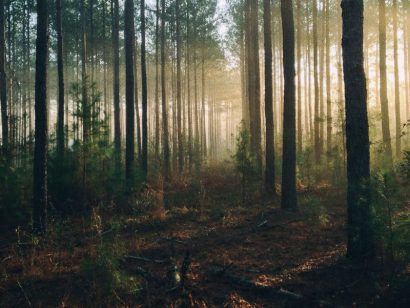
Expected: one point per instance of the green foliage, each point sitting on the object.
(316, 211)
(15, 194)
(391, 220)
(305, 164)
(244, 161)
(102, 271)
(404, 166)
(88, 170)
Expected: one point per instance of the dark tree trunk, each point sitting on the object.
(165, 138)
(289, 198)
(116, 82)
(157, 127)
(328, 85)
(3, 83)
(299, 74)
(270, 151)
(360, 239)
(85, 107)
(144, 96)
(254, 80)
(396, 81)
(129, 89)
(388, 155)
(179, 110)
(60, 73)
(41, 122)
(318, 153)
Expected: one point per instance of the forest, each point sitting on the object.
(205, 153)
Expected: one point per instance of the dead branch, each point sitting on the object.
(139, 258)
(243, 282)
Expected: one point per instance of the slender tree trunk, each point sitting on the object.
(299, 74)
(144, 96)
(383, 86)
(60, 69)
(179, 103)
(165, 138)
(396, 81)
(3, 83)
(116, 82)
(270, 150)
(129, 90)
(360, 239)
(318, 154)
(289, 197)
(328, 85)
(189, 102)
(157, 119)
(41, 122)
(254, 83)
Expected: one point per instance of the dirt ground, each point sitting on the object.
(253, 256)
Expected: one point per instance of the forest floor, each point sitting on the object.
(253, 256)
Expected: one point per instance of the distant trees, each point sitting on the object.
(384, 102)
(41, 114)
(360, 244)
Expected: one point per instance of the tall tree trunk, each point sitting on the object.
(189, 102)
(144, 96)
(85, 107)
(270, 150)
(318, 154)
(360, 240)
(165, 138)
(157, 119)
(116, 81)
(179, 106)
(388, 155)
(299, 73)
(328, 84)
(60, 69)
(129, 90)
(3, 83)
(254, 83)
(289, 197)
(396, 81)
(203, 87)
(41, 122)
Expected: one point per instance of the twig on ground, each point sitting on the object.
(139, 258)
(24, 293)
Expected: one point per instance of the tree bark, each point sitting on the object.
(388, 156)
(41, 122)
(396, 81)
(165, 138)
(270, 151)
(289, 197)
(116, 82)
(179, 98)
(318, 154)
(3, 83)
(60, 73)
(360, 240)
(129, 90)
(144, 96)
